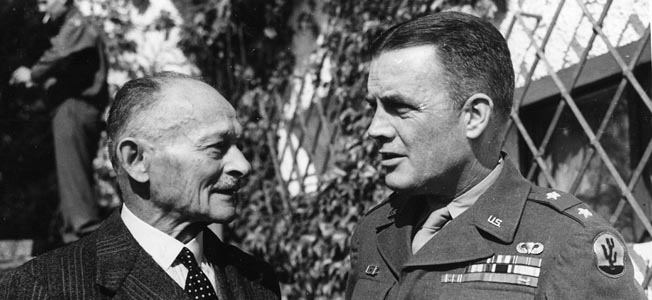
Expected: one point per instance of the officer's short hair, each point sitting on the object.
(473, 53)
(132, 101)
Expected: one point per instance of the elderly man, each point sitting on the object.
(73, 72)
(172, 141)
(462, 222)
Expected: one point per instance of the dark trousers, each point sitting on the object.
(76, 127)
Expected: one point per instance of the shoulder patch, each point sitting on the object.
(609, 254)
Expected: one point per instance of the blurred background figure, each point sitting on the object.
(73, 74)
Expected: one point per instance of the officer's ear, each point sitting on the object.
(477, 113)
(132, 158)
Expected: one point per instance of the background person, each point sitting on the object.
(172, 141)
(73, 72)
(462, 222)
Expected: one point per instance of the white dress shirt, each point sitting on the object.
(164, 249)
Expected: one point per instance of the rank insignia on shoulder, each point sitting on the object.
(584, 212)
(609, 254)
(529, 248)
(552, 195)
(371, 270)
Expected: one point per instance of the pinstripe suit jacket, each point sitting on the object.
(109, 264)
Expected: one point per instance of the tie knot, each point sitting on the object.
(437, 219)
(187, 258)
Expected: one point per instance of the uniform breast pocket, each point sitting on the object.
(366, 289)
(500, 292)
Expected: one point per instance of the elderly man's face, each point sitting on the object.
(195, 167)
(418, 130)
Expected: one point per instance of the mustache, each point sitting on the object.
(228, 183)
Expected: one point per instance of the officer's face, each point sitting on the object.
(419, 132)
(195, 167)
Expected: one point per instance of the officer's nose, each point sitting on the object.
(380, 128)
(236, 164)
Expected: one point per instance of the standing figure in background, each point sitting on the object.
(462, 222)
(73, 72)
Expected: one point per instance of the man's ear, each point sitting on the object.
(477, 113)
(130, 156)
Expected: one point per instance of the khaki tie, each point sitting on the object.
(437, 219)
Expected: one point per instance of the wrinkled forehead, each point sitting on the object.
(190, 107)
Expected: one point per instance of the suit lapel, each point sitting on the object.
(123, 267)
(215, 252)
(494, 217)
(149, 280)
(236, 278)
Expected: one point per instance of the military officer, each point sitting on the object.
(73, 72)
(462, 222)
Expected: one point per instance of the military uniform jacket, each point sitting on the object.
(75, 65)
(518, 241)
(109, 264)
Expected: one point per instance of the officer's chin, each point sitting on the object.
(397, 182)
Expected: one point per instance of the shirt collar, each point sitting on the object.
(163, 248)
(462, 202)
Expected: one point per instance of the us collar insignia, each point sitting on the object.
(529, 248)
(609, 254)
(392, 212)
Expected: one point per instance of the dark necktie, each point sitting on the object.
(197, 284)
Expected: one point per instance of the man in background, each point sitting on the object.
(172, 142)
(462, 222)
(73, 73)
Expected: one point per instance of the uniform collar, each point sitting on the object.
(463, 202)
(498, 211)
(495, 216)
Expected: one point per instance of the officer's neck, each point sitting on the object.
(452, 185)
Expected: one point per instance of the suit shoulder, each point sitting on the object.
(69, 258)
(378, 206)
(21, 283)
(255, 270)
(248, 262)
(242, 256)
